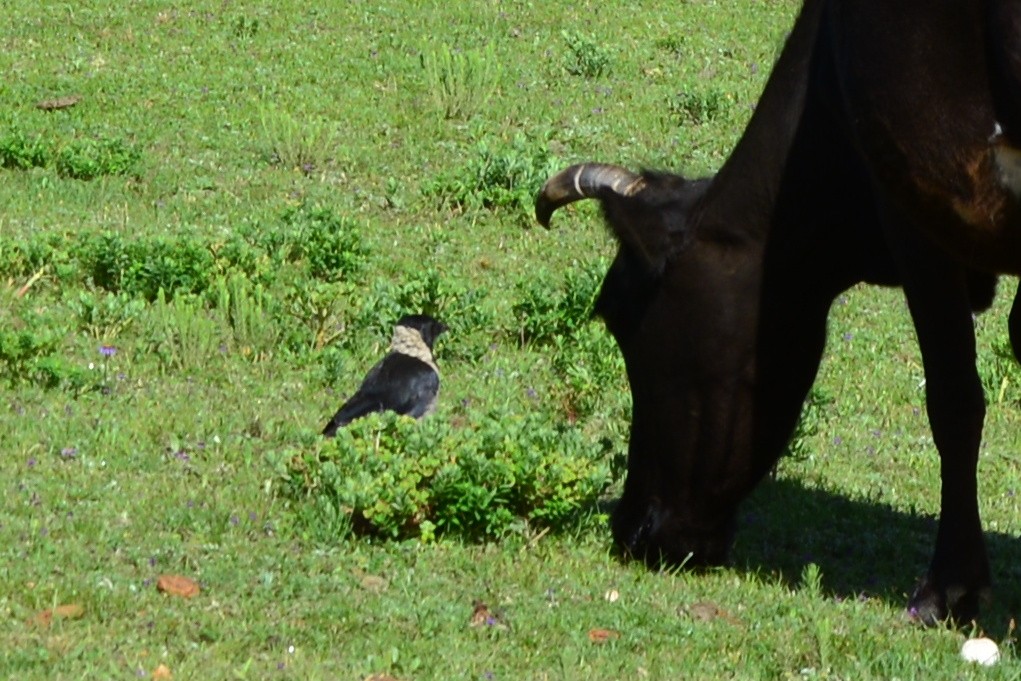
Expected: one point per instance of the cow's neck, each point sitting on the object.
(757, 162)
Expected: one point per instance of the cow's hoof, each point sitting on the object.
(932, 604)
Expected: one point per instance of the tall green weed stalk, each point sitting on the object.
(461, 82)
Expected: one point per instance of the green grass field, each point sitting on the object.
(203, 253)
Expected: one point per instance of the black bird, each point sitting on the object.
(406, 380)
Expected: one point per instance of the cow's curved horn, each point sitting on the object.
(584, 181)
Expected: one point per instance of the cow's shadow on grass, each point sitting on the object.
(861, 547)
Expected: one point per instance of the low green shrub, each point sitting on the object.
(547, 309)
(585, 55)
(32, 346)
(393, 477)
(89, 158)
(144, 267)
(19, 151)
(497, 176)
(104, 315)
(591, 372)
(329, 246)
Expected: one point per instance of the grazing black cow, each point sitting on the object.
(884, 149)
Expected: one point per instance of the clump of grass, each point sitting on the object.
(250, 311)
(181, 333)
(460, 82)
(674, 45)
(1000, 373)
(497, 176)
(697, 106)
(305, 144)
(585, 56)
(391, 476)
(810, 422)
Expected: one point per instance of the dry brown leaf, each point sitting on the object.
(482, 615)
(176, 585)
(380, 677)
(58, 103)
(374, 583)
(61, 612)
(162, 672)
(602, 635)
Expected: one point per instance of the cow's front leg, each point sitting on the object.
(958, 577)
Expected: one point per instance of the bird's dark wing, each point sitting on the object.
(397, 383)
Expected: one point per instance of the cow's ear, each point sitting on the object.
(641, 227)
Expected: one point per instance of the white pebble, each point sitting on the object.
(981, 650)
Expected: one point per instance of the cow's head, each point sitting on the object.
(684, 308)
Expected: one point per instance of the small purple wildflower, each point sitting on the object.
(140, 673)
(31, 462)
(281, 666)
(848, 336)
(107, 350)
(68, 452)
(837, 440)
(234, 520)
(877, 433)
(252, 516)
(182, 455)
